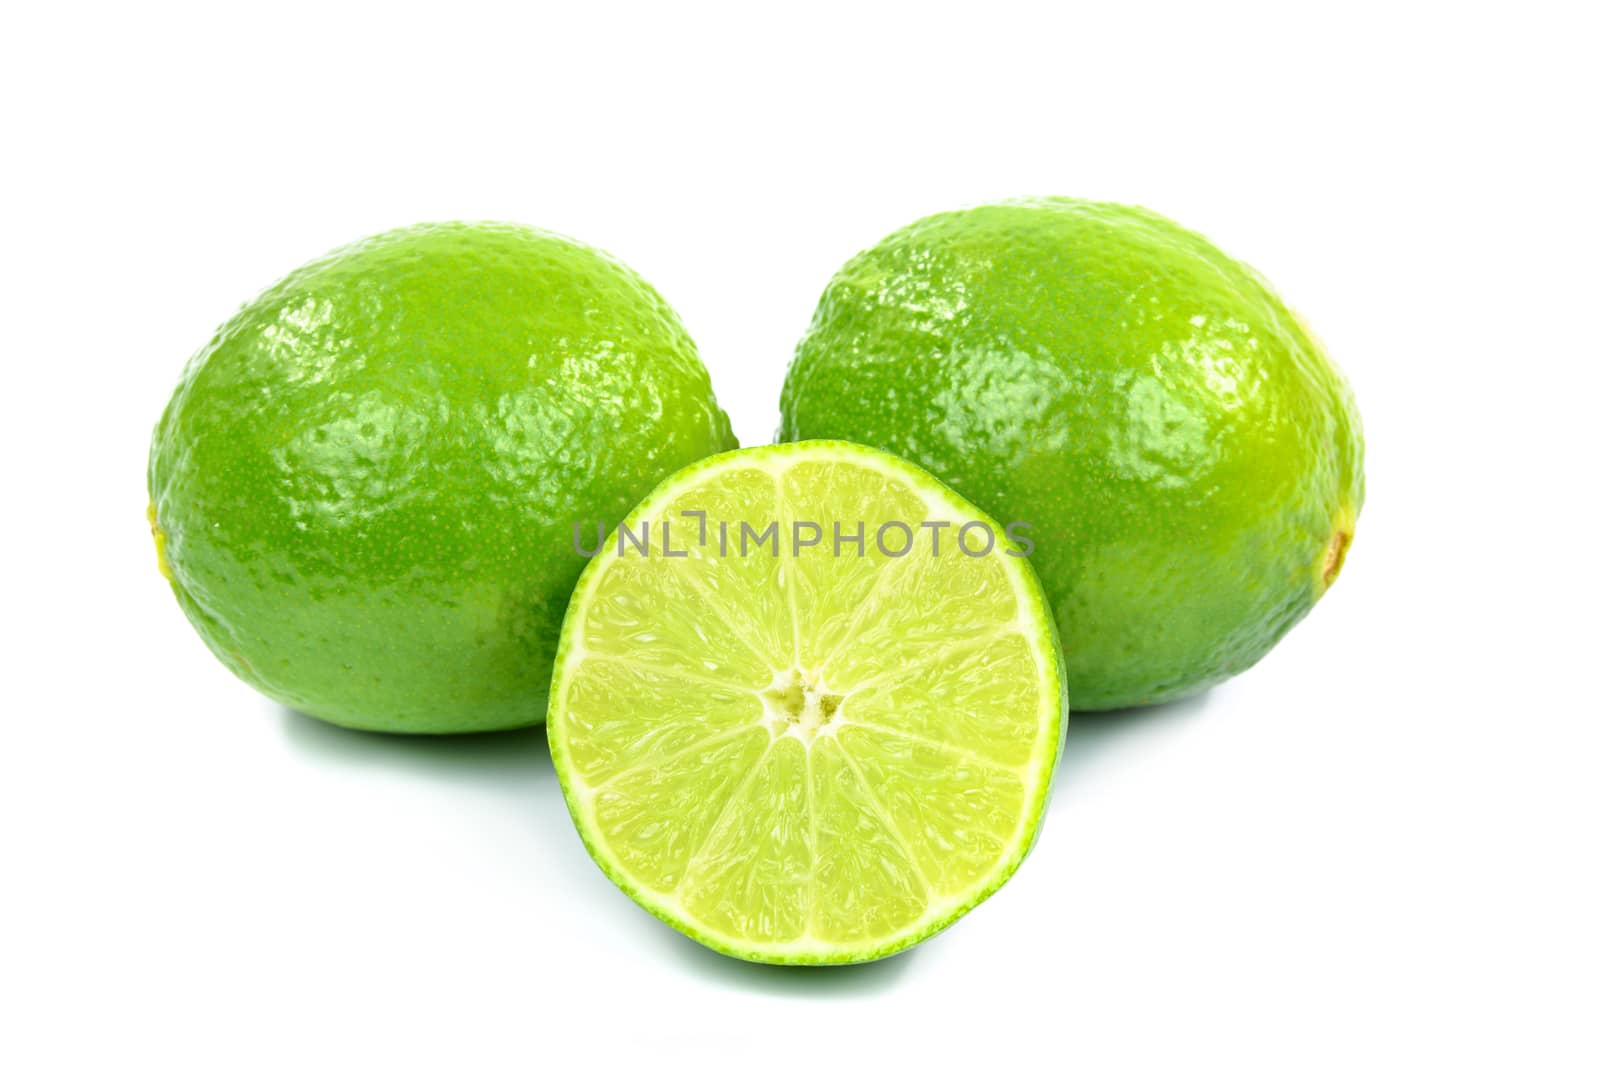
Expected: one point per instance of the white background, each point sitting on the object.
(1378, 846)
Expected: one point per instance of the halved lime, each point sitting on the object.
(807, 704)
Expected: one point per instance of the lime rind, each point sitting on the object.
(1188, 455)
(1035, 775)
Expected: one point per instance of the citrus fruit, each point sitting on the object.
(804, 750)
(1188, 459)
(363, 489)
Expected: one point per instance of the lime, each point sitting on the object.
(824, 731)
(364, 487)
(1189, 461)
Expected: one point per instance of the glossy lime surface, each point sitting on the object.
(1189, 459)
(364, 487)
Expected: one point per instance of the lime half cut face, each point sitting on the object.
(807, 704)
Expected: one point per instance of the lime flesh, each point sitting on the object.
(815, 755)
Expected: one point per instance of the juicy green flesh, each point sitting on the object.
(364, 486)
(806, 758)
(1190, 461)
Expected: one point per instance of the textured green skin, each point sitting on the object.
(364, 486)
(1190, 460)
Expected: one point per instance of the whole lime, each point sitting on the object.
(364, 488)
(1188, 461)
